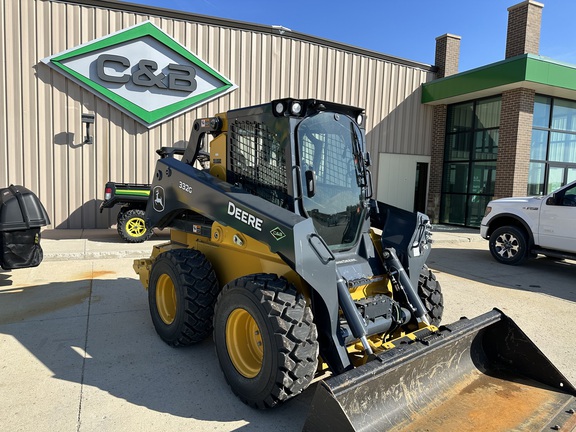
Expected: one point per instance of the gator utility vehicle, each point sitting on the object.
(279, 250)
(133, 197)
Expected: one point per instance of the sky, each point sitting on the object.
(401, 28)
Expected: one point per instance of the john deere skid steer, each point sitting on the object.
(279, 250)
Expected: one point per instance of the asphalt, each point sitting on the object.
(78, 351)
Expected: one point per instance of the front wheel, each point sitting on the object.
(508, 245)
(266, 340)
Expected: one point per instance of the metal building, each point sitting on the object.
(64, 135)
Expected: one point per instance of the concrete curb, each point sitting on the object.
(65, 245)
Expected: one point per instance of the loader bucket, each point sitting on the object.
(482, 374)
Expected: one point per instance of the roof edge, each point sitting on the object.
(242, 25)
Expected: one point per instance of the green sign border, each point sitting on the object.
(141, 30)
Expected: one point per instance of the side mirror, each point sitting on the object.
(310, 177)
(551, 200)
(367, 160)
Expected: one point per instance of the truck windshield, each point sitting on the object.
(332, 175)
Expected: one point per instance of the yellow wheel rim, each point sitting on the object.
(244, 343)
(166, 299)
(136, 227)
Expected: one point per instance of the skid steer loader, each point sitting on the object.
(279, 250)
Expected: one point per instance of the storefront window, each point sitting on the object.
(541, 111)
(461, 118)
(471, 150)
(564, 115)
(539, 144)
(458, 146)
(536, 178)
(553, 148)
(562, 147)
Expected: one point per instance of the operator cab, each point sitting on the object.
(331, 183)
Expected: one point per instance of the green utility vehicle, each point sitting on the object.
(133, 198)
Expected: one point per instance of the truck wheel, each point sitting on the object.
(266, 340)
(508, 245)
(430, 292)
(132, 226)
(181, 294)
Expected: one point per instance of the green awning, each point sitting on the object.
(542, 74)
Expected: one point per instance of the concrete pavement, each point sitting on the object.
(78, 351)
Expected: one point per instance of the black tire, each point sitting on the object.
(181, 294)
(508, 245)
(430, 292)
(132, 225)
(265, 327)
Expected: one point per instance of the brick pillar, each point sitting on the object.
(523, 36)
(447, 55)
(436, 162)
(446, 59)
(514, 143)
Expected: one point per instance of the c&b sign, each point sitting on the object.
(144, 72)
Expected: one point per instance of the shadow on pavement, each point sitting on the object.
(473, 261)
(98, 333)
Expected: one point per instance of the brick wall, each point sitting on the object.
(514, 143)
(523, 34)
(436, 162)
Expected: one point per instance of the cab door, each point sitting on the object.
(558, 220)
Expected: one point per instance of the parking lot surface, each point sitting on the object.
(79, 352)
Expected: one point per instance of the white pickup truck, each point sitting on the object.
(520, 228)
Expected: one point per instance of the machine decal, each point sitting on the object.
(185, 187)
(158, 195)
(244, 216)
(277, 233)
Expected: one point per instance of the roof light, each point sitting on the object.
(279, 108)
(296, 108)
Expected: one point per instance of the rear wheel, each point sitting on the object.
(182, 292)
(508, 245)
(265, 339)
(430, 293)
(132, 225)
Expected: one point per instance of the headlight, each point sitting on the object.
(488, 210)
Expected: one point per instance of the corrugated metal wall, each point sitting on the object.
(41, 133)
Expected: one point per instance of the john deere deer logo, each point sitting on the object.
(158, 198)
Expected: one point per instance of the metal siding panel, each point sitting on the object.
(29, 97)
(43, 108)
(5, 30)
(13, 86)
(266, 56)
